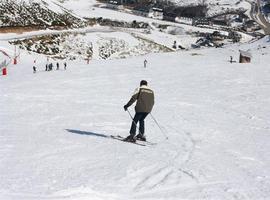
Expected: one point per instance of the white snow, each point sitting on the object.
(55, 125)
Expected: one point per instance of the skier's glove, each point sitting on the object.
(125, 107)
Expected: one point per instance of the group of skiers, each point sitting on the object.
(49, 67)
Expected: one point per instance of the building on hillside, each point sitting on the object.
(201, 21)
(245, 57)
(169, 16)
(148, 11)
(222, 20)
(156, 13)
(113, 4)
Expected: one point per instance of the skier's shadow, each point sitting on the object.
(87, 133)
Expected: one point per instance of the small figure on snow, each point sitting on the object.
(34, 69)
(145, 63)
(231, 60)
(57, 66)
(65, 65)
(145, 102)
(46, 67)
(50, 67)
(174, 45)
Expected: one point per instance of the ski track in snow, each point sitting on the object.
(172, 168)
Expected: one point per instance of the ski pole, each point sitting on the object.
(134, 122)
(154, 121)
(159, 127)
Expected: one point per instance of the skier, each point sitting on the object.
(231, 59)
(145, 102)
(174, 45)
(145, 63)
(57, 66)
(65, 65)
(50, 67)
(46, 67)
(34, 69)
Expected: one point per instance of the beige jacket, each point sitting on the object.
(145, 99)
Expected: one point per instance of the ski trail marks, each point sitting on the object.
(178, 152)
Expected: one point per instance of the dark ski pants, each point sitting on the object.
(138, 117)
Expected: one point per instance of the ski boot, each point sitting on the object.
(130, 139)
(140, 137)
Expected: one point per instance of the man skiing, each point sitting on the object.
(145, 102)
(145, 63)
(231, 59)
(34, 69)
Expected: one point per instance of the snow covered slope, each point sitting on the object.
(55, 125)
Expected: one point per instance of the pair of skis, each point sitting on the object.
(138, 142)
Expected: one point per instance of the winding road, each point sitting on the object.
(258, 17)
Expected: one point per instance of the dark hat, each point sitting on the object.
(143, 82)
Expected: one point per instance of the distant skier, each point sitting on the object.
(174, 45)
(145, 102)
(65, 65)
(145, 63)
(57, 66)
(34, 69)
(50, 67)
(231, 59)
(46, 67)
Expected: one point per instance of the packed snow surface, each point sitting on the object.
(55, 128)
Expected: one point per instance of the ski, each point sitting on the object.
(147, 142)
(140, 142)
(120, 138)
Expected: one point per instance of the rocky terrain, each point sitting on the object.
(35, 14)
(83, 45)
